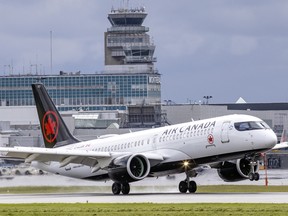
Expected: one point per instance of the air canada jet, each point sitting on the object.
(232, 144)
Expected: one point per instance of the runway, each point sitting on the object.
(147, 198)
(152, 193)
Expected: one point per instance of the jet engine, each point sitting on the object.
(238, 170)
(129, 168)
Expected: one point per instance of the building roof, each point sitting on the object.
(255, 106)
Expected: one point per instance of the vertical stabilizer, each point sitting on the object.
(54, 130)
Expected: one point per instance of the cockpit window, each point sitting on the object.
(243, 126)
(265, 125)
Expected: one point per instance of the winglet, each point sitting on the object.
(282, 145)
(283, 136)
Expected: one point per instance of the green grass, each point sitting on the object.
(107, 189)
(240, 189)
(49, 189)
(146, 209)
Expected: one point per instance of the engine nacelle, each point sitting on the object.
(129, 168)
(238, 170)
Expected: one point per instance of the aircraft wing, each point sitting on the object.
(61, 155)
(97, 160)
(281, 145)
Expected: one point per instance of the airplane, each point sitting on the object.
(232, 144)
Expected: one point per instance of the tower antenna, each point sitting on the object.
(51, 54)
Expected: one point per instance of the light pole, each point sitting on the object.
(207, 98)
(9, 66)
(36, 69)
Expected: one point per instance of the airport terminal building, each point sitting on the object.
(75, 91)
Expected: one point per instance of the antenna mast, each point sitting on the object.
(51, 54)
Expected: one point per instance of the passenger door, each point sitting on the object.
(225, 132)
(154, 142)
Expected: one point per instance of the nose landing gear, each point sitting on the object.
(254, 175)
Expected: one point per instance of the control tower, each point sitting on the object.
(129, 52)
(128, 47)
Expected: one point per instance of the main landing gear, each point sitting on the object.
(187, 185)
(117, 188)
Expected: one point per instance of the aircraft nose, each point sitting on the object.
(271, 139)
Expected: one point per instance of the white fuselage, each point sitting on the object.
(203, 142)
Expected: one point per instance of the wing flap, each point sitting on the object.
(23, 152)
(63, 156)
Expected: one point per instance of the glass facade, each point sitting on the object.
(87, 91)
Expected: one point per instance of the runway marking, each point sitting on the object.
(145, 197)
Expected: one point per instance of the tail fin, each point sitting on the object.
(55, 132)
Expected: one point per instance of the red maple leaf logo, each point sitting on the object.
(50, 127)
(210, 139)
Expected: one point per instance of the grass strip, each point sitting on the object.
(143, 209)
(107, 189)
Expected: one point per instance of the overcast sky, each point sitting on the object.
(222, 48)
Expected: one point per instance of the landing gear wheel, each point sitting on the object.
(251, 176)
(125, 188)
(192, 187)
(183, 187)
(254, 176)
(116, 188)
